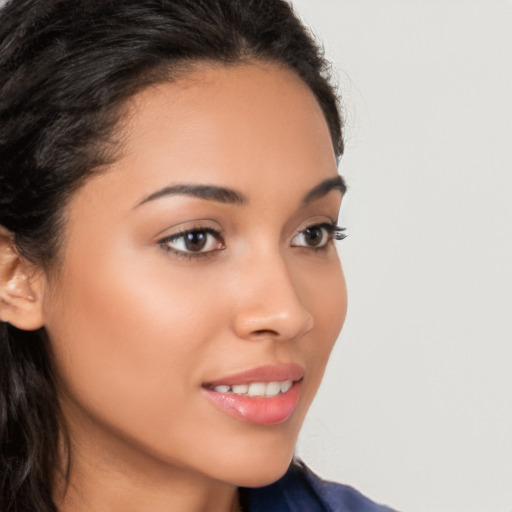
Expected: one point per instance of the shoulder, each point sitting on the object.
(300, 490)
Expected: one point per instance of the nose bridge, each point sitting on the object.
(269, 302)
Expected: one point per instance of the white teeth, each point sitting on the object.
(256, 388)
(273, 388)
(240, 389)
(286, 385)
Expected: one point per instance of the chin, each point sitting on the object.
(261, 470)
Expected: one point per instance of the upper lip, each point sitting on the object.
(266, 373)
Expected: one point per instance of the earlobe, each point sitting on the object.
(20, 287)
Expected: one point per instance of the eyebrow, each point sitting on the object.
(323, 188)
(230, 196)
(208, 192)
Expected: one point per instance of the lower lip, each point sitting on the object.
(257, 410)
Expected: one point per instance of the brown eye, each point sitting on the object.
(317, 236)
(314, 236)
(198, 241)
(195, 241)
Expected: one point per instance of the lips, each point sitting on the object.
(266, 395)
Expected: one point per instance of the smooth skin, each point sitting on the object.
(139, 322)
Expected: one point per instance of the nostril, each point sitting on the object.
(265, 332)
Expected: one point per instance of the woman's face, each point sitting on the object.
(197, 270)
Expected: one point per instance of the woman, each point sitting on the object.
(170, 291)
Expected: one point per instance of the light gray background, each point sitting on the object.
(416, 406)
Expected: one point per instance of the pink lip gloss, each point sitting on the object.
(266, 395)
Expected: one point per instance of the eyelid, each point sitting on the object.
(328, 222)
(164, 241)
(197, 224)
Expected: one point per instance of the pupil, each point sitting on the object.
(195, 241)
(314, 236)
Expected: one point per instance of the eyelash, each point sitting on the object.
(333, 232)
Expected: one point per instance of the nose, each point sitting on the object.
(268, 303)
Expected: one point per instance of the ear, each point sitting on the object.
(21, 287)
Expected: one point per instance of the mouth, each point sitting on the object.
(266, 395)
(253, 389)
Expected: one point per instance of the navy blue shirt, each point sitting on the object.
(300, 490)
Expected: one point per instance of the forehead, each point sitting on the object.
(248, 119)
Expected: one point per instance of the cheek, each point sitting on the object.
(326, 297)
(332, 315)
(126, 333)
